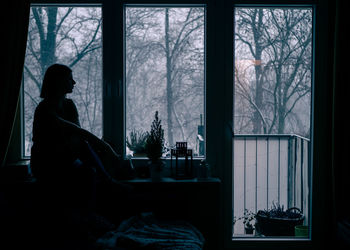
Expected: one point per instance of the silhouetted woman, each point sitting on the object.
(64, 156)
(66, 160)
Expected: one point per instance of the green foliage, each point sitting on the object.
(155, 140)
(248, 218)
(137, 141)
(277, 211)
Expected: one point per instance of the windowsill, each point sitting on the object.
(277, 242)
(169, 168)
(173, 180)
(262, 238)
(143, 160)
(18, 171)
(22, 162)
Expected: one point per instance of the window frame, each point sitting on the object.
(320, 133)
(219, 30)
(113, 55)
(281, 6)
(21, 111)
(122, 84)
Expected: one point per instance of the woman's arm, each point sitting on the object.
(104, 151)
(96, 143)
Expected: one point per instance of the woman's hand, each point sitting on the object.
(109, 149)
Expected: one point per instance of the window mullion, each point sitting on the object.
(113, 70)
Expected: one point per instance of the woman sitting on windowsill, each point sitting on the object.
(68, 161)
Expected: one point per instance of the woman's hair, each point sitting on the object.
(52, 83)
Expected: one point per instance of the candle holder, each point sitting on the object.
(182, 171)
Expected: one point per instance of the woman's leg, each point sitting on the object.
(111, 196)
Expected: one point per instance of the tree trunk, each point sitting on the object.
(169, 92)
(281, 119)
(48, 43)
(257, 122)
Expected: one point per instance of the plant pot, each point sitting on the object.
(249, 230)
(272, 226)
(301, 231)
(139, 155)
(156, 169)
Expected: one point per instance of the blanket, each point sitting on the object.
(144, 231)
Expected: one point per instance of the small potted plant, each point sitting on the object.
(136, 142)
(248, 219)
(155, 146)
(277, 221)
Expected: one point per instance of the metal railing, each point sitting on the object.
(270, 169)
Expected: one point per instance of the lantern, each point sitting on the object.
(182, 171)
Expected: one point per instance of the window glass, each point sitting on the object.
(272, 112)
(164, 64)
(70, 36)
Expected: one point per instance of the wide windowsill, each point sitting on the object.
(17, 172)
(244, 237)
(20, 170)
(173, 180)
(278, 242)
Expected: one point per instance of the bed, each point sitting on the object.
(145, 231)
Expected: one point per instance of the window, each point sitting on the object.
(164, 68)
(272, 114)
(208, 67)
(71, 36)
(164, 72)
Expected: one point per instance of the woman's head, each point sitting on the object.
(57, 82)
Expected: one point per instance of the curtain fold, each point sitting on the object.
(15, 24)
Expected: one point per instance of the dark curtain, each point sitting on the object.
(15, 37)
(341, 135)
(341, 109)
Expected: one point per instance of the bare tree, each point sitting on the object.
(278, 41)
(165, 69)
(177, 44)
(71, 36)
(140, 50)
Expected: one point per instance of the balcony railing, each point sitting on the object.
(267, 170)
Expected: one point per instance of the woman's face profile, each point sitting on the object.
(69, 83)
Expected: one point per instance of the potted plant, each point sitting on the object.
(248, 218)
(136, 142)
(277, 221)
(155, 146)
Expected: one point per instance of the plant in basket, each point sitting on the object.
(277, 221)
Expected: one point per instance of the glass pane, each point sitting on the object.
(70, 36)
(272, 112)
(165, 72)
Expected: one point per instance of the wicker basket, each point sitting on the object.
(272, 226)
